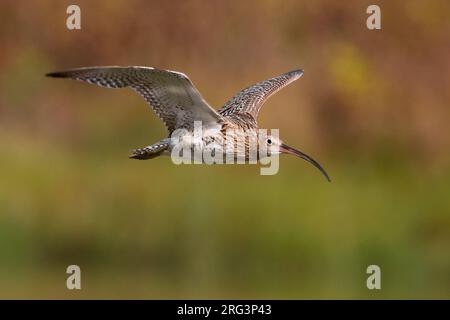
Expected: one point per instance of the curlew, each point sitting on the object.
(177, 102)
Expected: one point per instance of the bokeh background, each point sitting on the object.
(372, 107)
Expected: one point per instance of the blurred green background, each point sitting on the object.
(372, 107)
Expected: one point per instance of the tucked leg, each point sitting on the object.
(150, 152)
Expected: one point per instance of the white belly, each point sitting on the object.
(212, 147)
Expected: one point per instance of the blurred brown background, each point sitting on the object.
(372, 107)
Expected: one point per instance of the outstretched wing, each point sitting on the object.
(170, 94)
(250, 100)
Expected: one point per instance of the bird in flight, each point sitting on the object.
(177, 102)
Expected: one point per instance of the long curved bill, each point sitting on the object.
(286, 149)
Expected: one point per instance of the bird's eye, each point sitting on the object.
(269, 142)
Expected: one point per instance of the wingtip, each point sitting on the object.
(297, 72)
(56, 75)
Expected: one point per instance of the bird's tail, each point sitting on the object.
(150, 152)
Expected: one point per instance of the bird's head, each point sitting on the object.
(276, 146)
